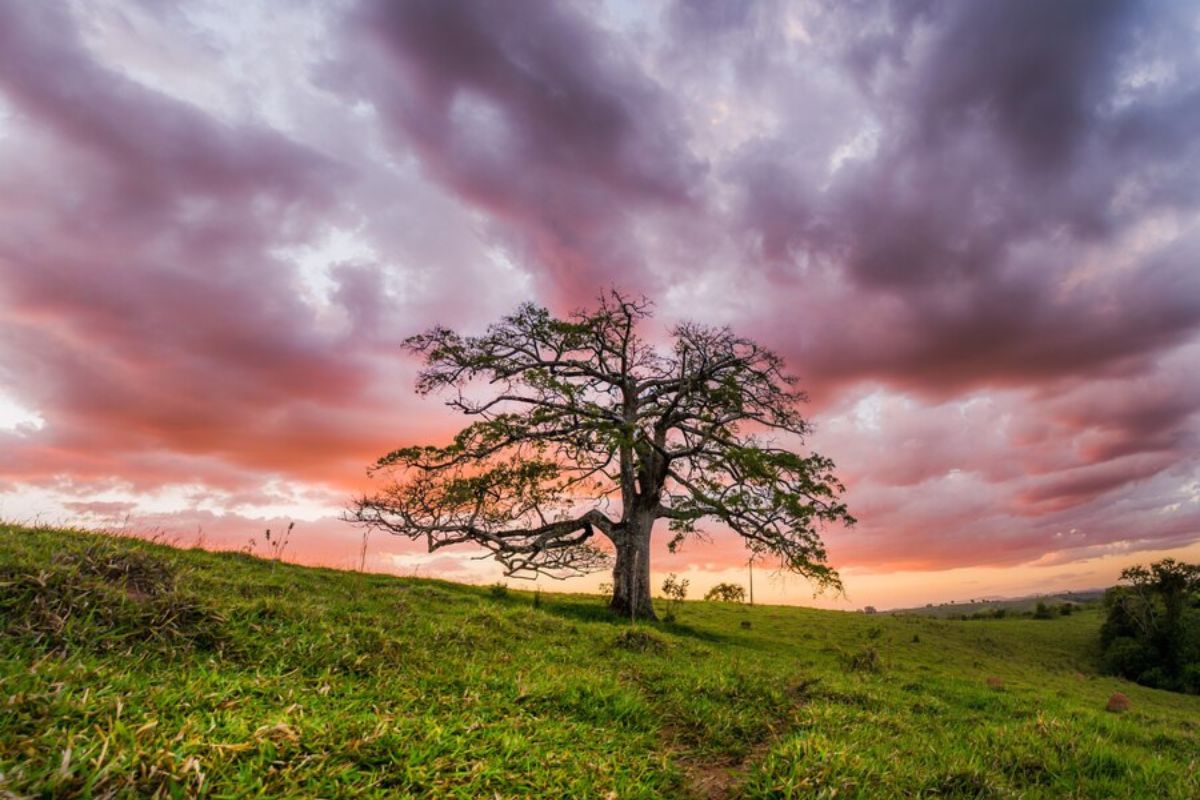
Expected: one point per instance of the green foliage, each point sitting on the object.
(1151, 633)
(352, 685)
(726, 593)
(675, 590)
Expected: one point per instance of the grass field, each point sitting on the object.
(130, 669)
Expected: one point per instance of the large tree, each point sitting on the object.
(583, 429)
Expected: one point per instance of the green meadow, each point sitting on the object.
(129, 669)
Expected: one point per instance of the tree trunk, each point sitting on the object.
(631, 575)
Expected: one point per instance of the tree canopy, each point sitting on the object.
(1152, 630)
(583, 431)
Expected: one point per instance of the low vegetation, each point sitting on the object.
(133, 670)
(726, 593)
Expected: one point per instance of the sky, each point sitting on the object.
(971, 228)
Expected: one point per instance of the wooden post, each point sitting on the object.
(750, 563)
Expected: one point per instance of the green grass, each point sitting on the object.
(130, 669)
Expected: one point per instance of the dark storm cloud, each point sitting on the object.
(1007, 150)
(537, 118)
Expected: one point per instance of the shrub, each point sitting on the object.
(675, 591)
(726, 593)
(1126, 656)
(865, 660)
(1190, 677)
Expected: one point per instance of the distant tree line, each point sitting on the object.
(1041, 611)
(1152, 631)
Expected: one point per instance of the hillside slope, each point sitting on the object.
(130, 669)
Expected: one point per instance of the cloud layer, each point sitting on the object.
(972, 228)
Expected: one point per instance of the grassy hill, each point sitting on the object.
(129, 669)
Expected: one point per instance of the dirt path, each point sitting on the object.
(714, 778)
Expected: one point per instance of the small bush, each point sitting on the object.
(865, 660)
(498, 591)
(675, 591)
(726, 593)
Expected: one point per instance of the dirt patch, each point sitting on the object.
(715, 778)
(708, 781)
(1118, 703)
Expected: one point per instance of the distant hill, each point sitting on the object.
(1013, 605)
(132, 670)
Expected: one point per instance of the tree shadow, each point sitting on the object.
(597, 613)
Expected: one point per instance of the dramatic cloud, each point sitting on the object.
(537, 118)
(973, 229)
